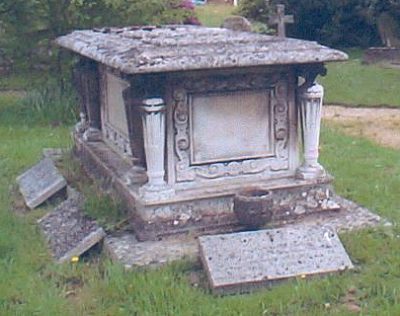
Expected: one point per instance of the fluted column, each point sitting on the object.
(310, 106)
(153, 118)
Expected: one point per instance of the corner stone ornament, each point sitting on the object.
(153, 119)
(310, 106)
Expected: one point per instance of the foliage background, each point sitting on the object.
(335, 23)
(28, 27)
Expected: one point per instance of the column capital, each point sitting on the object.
(153, 105)
(316, 91)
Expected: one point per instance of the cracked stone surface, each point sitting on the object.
(351, 217)
(152, 49)
(238, 262)
(68, 231)
(127, 250)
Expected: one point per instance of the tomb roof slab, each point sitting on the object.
(140, 50)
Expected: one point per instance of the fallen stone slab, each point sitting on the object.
(68, 231)
(40, 182)
(127, 250)
(242, 262)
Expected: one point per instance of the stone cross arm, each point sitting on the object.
(280, 19)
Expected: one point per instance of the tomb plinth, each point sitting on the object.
(181, 118)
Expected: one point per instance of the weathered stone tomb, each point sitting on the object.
(181, 118)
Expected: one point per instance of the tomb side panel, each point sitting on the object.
(258, 101)
(114, 119)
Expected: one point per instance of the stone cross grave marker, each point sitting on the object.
(241, 262)
(40, 182)
(68, 231)
(280, 19)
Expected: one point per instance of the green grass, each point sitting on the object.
(33, 284)
(213, 15)
(46, 105)
(23, 79)
(352, 83)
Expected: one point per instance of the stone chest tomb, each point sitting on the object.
(181, 118)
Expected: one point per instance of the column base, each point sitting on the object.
(307, 172)
(82, 125)
(92, 135)
(135, 175)
(156, 192)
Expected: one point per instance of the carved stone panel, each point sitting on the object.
(230, 126)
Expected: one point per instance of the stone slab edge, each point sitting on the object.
(88, 242)
(50, 192)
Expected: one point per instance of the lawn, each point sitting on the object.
(214, 14)
(31, 284)
(352, 83)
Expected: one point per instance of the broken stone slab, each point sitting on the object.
(130, 252)
(69, 232)
(242, 262)
(40, 182)
(350, 217)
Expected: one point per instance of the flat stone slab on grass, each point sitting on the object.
(241, 262)
(127, 250)
(69, 232)
(40, 182)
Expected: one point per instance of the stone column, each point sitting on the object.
(310, 106)
(153, 119)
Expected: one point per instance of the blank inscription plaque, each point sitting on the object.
(230, 126)
(240, 262)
